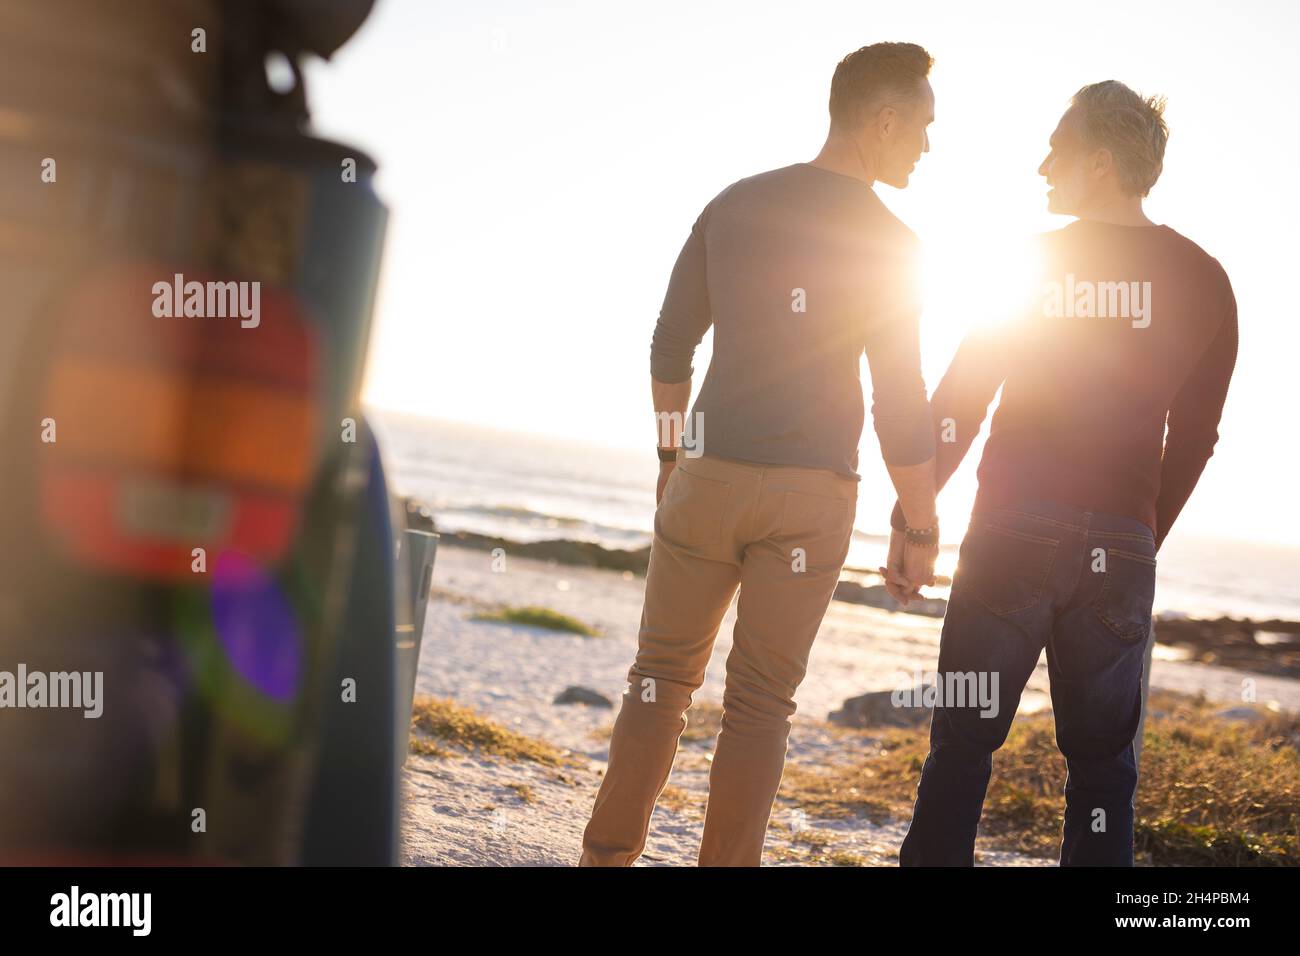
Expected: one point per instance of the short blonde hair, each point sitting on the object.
(865, 74)
(1133, 128)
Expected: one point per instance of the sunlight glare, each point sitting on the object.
(978, 282)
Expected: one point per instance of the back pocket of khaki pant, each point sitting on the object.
(692, 510)
(820, 525)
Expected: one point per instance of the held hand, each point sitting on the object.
(897, 584)
(918, 566)
(665, 469)
(909, 569)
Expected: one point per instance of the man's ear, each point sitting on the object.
(1102, 162)
(886, 120)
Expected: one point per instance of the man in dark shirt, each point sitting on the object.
(1112, 389)
(799, 271)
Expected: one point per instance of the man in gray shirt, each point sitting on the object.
(799, 271)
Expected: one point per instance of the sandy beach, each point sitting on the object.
(479, 810)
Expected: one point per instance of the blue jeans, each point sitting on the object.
(1082, 584)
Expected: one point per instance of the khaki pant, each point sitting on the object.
(780, 535)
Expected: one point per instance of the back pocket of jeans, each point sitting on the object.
(1005, 570)
(692, 510)
(818, 524)
(1127, 592)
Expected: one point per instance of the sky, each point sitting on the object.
(544, 161)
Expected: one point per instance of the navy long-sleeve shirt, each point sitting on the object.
(799, 271)
(1113, 382)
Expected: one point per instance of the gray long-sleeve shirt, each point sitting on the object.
(799, 270)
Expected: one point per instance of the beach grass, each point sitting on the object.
(525, 793)
(542, 617)
(424, 747)
(451, 724)
(844, 858)
(1213, 792)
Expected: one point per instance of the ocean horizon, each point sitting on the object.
(527, 487)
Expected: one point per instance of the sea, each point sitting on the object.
(526, 487)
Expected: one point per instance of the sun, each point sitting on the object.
(976, 281)
(973, 282)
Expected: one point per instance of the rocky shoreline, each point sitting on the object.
(1265, 647)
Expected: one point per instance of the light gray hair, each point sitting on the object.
(1112, 116)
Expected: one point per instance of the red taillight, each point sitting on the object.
(176, 433)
